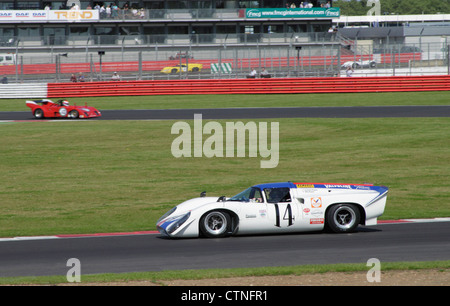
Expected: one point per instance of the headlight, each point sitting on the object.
(176, 224)
(166, 214)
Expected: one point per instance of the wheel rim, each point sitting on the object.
(73, 114)
(215, 223)
(344, 217)
(38, 113)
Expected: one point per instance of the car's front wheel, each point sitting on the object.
(343, 218)
(215, 224)
(74, 114)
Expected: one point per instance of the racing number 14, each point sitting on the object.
(287, 215)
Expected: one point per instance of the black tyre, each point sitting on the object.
(343, 218)
(215, 224)
(174, 71)
(38, 114)
(195, 69)
(74, 114)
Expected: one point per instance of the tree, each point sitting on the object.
(400, 7)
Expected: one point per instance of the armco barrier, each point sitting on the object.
(29, 90)
(250, 86)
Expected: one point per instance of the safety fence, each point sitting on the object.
(129, 66)
(250, 86)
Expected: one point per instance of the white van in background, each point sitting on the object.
(7, 59)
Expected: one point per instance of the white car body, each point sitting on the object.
(359, 64)
(300, 207)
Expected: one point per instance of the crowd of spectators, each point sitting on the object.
(109, 11)
(306, 4)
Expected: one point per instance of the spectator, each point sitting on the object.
(102, 12)
(142, 13)
(252, 73)
(264, 73)
(114, 11)
(73, 78)
(349, 71)
(115, 77)
(81, 77)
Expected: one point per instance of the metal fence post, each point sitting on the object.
(140, 65)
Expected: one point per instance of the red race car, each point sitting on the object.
(45, 108)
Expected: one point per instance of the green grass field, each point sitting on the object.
(112, 176)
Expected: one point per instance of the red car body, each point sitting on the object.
(45, 108)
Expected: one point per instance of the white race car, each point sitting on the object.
(359, 64)
(277, 208)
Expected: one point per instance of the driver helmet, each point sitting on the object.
(65, 103)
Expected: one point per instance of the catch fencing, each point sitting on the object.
(285, 61)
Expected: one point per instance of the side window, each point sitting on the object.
(276, 195)
(257, 197)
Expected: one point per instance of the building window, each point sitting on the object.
(248, 4)
(177, 5)
(28, 32)
(54, 36)
(27, 5)
(7, 37)
(6, 5)
(79, 31)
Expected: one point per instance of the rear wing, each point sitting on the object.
(31, 103)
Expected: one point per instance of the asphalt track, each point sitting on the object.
(264, 113)
(151, 252)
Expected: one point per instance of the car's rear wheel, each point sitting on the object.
(215, 224)
(343, 218)
(195, 69)
(174, 71)
(38, 114)
(74, 114)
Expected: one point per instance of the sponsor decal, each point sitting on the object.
(304, 185)
(338, 186)
(316, 202)
(22, 14)
(316, 221)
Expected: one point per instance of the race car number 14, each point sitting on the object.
(286, 216)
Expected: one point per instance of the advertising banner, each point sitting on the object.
(315, 12)
(49, 15)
